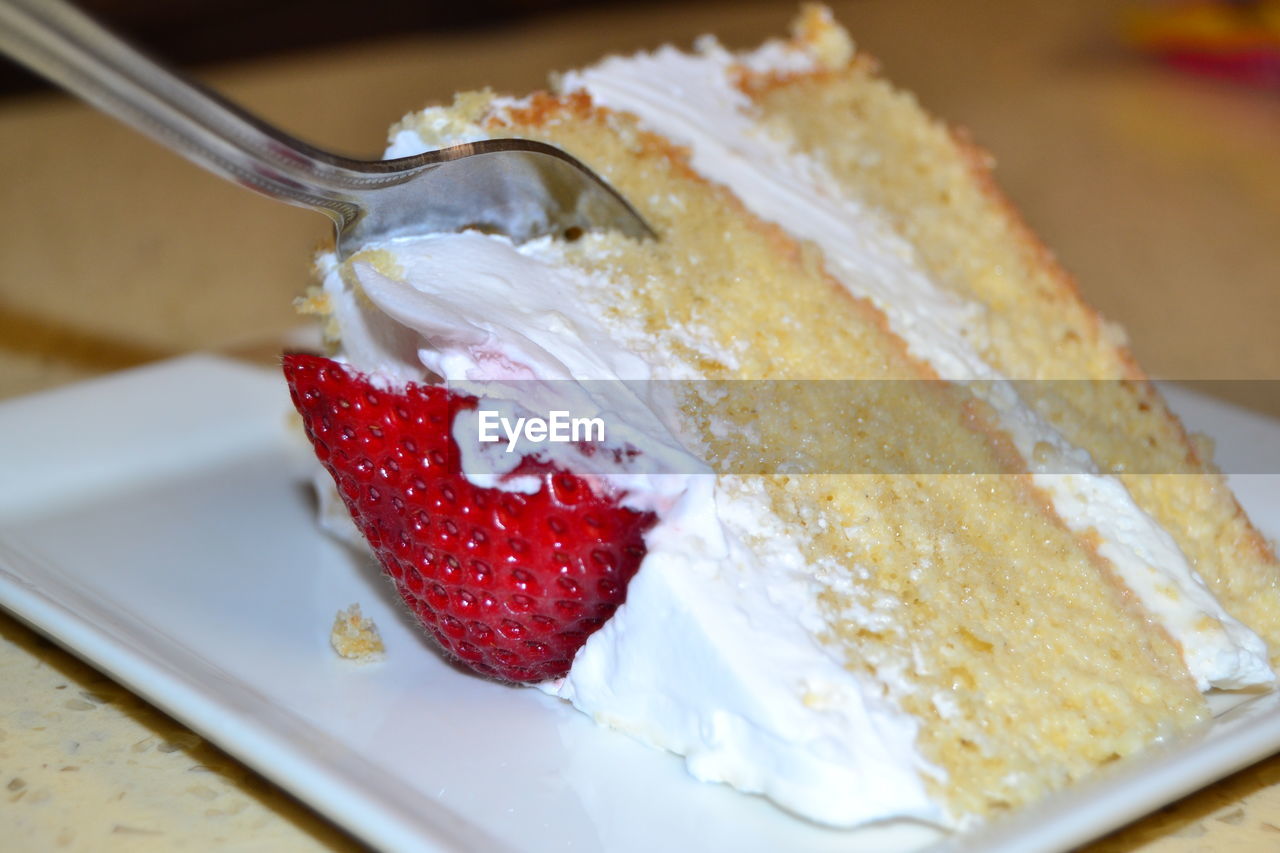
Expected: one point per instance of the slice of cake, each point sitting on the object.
(946, 553)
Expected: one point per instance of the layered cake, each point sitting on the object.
(948, 553)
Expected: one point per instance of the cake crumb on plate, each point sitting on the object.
(356, 638)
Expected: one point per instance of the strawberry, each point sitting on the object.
(509, 584)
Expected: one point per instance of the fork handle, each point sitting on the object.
(63, 44)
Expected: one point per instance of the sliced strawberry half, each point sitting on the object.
(510, 584)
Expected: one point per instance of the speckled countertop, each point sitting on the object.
(86, 765)
(1162, 194)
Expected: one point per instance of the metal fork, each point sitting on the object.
(517, 187)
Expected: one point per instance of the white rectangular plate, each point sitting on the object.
(158, 524)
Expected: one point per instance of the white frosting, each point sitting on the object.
(715, 656)
(508, 325)
(691, 100)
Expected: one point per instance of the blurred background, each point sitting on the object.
(1158, 186)
(194, 32)
(1159, 189)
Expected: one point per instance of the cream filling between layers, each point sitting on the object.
(691, 99)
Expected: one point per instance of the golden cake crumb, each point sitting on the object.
(828, 43)
(315, 302)
(354, 637)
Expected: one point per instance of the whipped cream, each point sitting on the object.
(692, 100)
(716, 656)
